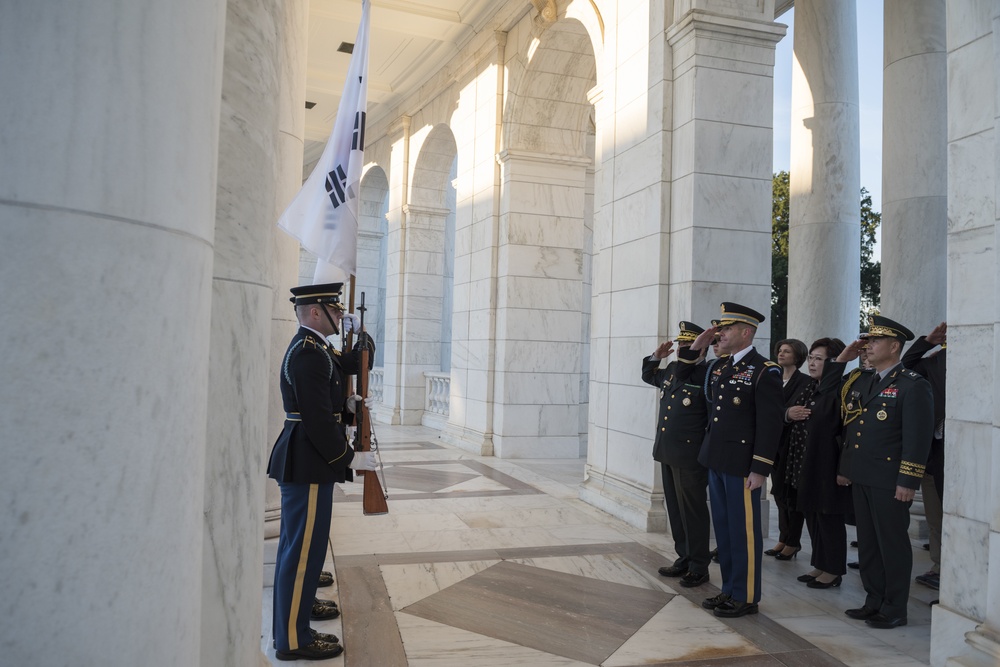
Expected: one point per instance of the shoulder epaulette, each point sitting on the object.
(913, 375)
(772, 363)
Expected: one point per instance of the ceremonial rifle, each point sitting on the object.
(374, 498)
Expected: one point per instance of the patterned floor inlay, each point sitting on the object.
(568, 615)
(416, 480)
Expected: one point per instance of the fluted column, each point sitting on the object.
(107, 205)
(240, 369)
(915, 164)
(824, 237)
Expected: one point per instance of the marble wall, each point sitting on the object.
(107, 201)
(966, 622)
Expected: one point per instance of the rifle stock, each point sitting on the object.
(373, 499)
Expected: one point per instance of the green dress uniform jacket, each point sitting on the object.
(312, 447)
(680, 426)
(887, 443)
(746, 414)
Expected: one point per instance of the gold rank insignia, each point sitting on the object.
(686, 402)
(882, 415)
(736, 400)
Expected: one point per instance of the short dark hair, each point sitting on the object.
(799, 351)
(834, 346)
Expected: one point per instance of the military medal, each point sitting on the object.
(882, 415)
(736, 400)
(686, 401)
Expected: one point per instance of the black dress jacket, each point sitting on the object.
(746, 414)
(312, 447)
(680, 427)
(818, 491)
(887, 444)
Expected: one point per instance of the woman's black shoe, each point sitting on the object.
(782, 556)
(775, 551)
(806, 578)
(816, 583)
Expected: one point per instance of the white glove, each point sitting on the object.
(352, 403)
(352, 323)
(370, 402)
(363, 461)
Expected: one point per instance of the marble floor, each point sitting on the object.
(492, 562)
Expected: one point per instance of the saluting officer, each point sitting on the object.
(680, 431)
(309, 456)
(889, 423)
(744, 427)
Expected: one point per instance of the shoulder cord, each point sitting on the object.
(846, 415)
(288, 358)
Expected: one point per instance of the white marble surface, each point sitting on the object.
(914, 163)
(824, 220)
(106, 273)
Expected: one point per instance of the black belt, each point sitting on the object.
(297, 417)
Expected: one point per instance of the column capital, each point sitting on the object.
(430, 211)
(515, 155)
(698, 22)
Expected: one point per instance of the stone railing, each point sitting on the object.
(376, 381)
(437, 399)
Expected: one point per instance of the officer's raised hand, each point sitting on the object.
(664, 350)
(939, 336)
(704, 339)
(852, 351)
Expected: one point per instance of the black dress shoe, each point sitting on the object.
(816, 583)
(318, 650)
(784, 556)
(690, 580)
(861, 612)
(673, 570)
(806, 578)
(854, 543)
(714, 553)
(854, 565)
(325, 579)
(715, 601)
(322, 610)
(883, 622)
(322, 636)
(734, 609)
(775, 551)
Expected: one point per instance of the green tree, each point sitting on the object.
(871, 271)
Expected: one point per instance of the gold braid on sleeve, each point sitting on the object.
(847, 415)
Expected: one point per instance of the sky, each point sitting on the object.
(870, 84)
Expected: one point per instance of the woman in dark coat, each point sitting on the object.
(790, 355)
(821, 498)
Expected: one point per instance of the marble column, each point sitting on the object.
(915, 164)
(240, 368)
(284, 267)
(824, 235)
(965, 627)
(413, 302)
(107, 202)
(478, 128)
(539, 312)
(396, 216)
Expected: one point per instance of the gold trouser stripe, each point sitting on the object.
(300, 573)
(751, 551)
